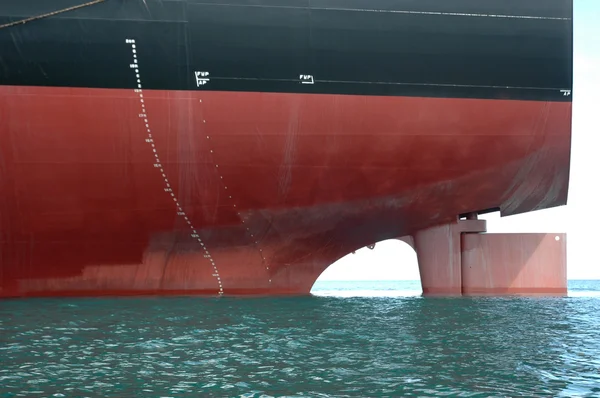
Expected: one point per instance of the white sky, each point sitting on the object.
(395, 260)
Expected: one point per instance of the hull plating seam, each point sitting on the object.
(50, 14)
(407, 12)
(158, 165)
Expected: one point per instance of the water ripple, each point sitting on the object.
(300, 347)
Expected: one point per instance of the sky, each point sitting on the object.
(580, 219)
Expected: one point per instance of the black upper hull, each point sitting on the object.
(518, 49)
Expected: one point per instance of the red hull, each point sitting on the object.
(276, 186)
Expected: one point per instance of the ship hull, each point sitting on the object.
(252, 187)
(184, 147)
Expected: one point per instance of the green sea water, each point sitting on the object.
(350, 339)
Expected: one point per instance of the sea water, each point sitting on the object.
(350, 339)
